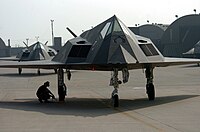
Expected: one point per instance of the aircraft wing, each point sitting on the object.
(12, 58)
(48, 64)
(168, 61)
(45, 64)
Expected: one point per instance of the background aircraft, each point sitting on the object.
(35, 52)
(109, 46)
(194, 52)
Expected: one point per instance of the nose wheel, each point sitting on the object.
(115, 99)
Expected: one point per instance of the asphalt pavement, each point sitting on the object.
(88, 107)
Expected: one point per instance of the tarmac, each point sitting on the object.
(87, 108)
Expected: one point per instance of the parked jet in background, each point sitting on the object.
(110, 46)
(36, 52)
(194, 52)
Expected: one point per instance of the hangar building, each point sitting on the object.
(153, 31)
(181, 36)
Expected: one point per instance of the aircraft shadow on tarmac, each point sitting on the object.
(190, 66)
(88, 107)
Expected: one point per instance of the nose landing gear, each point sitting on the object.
(115, 98)
(114, 81)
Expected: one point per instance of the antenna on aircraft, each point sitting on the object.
(46, 43)
(25, 44)
(71, 32)
(27, 41)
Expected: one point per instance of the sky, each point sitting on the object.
(28, 19)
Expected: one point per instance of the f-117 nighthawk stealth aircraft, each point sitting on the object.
(109, 46)
(36, 52)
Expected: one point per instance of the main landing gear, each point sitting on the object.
(38, 71)
(149, 86)
(62, 89)
(20, 70)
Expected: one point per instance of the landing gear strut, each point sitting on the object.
(61, 85)
(149, 86)
(114, 81)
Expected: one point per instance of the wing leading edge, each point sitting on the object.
(102, 67)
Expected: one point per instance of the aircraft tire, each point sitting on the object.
(38, 72)
(20, 71)
(116, 100)
(56, 71)
(150, 91)
(61, 98)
